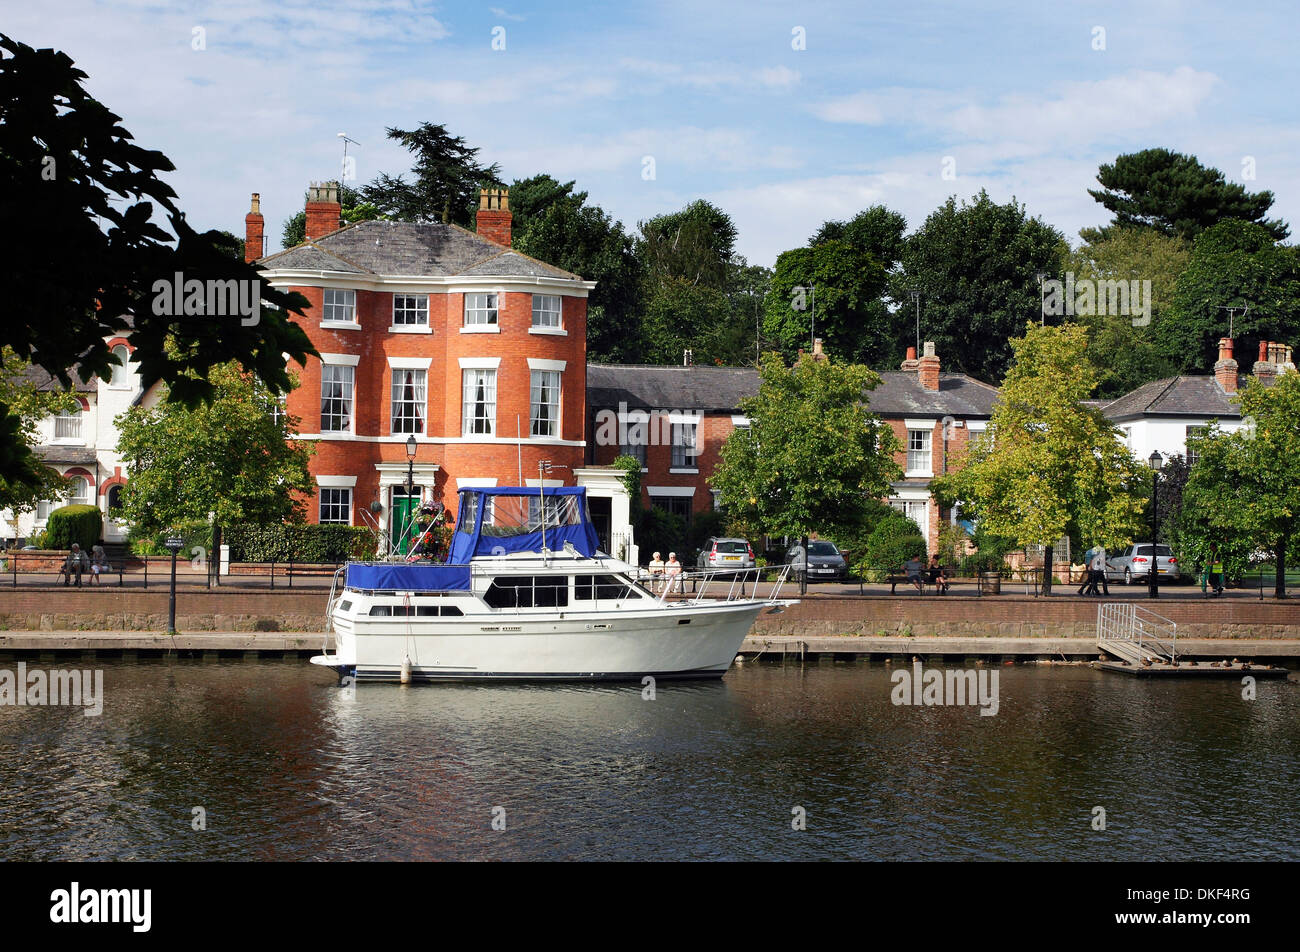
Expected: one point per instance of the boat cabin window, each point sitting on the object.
(588, 587)
(405, 611)
(528, 591)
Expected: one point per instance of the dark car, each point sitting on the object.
(824, 562)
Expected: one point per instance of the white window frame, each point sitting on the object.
(413, 307)
(333, 493)
(346, 368)
(918, 510)
(471, 379)
(538, 383)
(120, 378)
(73, 499)
(487, 314)
(341, 311)
(923, 454)
(685, 456)
(545, 313)
(72, 420)
(419, 381)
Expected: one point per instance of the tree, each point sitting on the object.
(1049, 466)
(586, 241)
(1233, 264)
(1244, 491)
(448, 178)
(91, 258)
(694, 245)
(814, 458)
(531, 198)
(839, 287)
(28, 404)
(975, 266)
(876, 230)
(1121, 346)
(234, 457)
(1176, 195)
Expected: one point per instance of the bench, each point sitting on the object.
(895, 580)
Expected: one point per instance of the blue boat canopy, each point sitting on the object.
(395, 577)
(503, 520)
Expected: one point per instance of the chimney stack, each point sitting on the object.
(1225, 368)
(818, 353)
(324, 213)
(254, 226)
(1266, 367)
(928, 368)
(493, 222)
(910, 362)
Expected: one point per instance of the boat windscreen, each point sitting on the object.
(521, 515)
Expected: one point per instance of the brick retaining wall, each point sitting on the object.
(114, 609)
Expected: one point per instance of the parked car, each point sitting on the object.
(1134, 564)
(824, 562)
(722, 553)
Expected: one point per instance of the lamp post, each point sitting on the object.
(1153, 581)
(1042, 309)
(409, 518)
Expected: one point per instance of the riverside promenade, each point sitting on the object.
(830, 621)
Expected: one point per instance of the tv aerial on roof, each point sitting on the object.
(343, 174)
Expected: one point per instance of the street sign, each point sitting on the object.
(175, 543)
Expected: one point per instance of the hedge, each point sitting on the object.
(69, 524)
(298, 543)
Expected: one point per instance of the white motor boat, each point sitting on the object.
(527, 595)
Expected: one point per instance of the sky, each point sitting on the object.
(783, 114)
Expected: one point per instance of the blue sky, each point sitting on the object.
(781, 138)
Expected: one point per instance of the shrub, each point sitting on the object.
(852, 540)
(69, 524)
(894, 540)
(284, 542)
(971, 565)
(661, 531)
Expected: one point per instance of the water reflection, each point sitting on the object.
(288, 766)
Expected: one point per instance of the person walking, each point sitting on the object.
(1087, 571)
(1100, 562)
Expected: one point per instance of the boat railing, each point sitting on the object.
(335, 595)
(721, 584)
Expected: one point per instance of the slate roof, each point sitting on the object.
(44, 380)
(900, 394)
(408, 248)
(1175, 396)
(720, 389)
(66, 454)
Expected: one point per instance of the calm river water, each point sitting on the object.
(288, 766)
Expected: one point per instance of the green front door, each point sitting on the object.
(401, 527)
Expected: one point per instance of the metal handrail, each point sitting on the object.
(1125, 621)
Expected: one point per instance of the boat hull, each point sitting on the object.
(679, 640)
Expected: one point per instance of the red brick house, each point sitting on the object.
(434, 332)
(666, 407)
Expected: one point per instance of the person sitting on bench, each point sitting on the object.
(913, 571)
(98, 563)
(76, 563)
(938, 575)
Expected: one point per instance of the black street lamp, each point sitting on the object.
(410, 465)
(1153, 580)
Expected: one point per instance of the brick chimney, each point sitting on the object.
(818, 353)
(324, 212)
(494, 216)
(253, 228)
(928, 369)
(910, 362)
(1266, 366)
(1225, 368)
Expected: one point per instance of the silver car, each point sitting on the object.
(720, 553)
(1134, 564)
